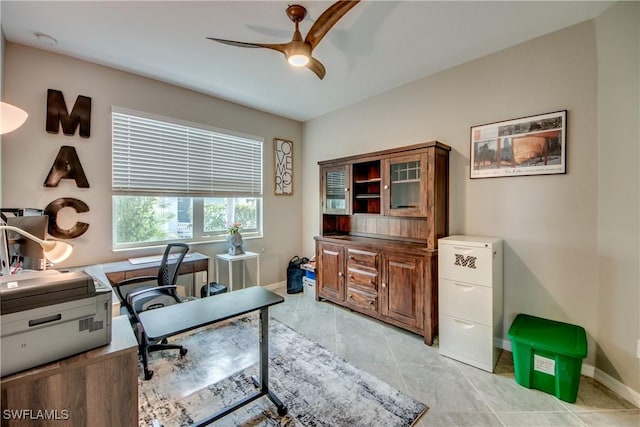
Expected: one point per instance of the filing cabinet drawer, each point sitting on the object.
(466, 301)
(364, 279)
(362, 258)
(362, 300)
(466, 263)
(462, 340)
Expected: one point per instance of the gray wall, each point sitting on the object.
(618, 42)
(29, 152)
(550, 224)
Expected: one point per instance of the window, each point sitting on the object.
(174, 180)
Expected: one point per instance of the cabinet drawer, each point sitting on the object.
(466, 301)
(466, 263)
(363, 300)
(362, 258)
(364, 279)
(466, 339)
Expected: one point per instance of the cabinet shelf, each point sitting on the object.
(368, 181)
(367, 196)
(405, 181)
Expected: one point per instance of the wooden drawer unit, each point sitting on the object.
(201, 265)
(96, 388)
(470, 299)
(394, 282)
(367, 280)
(363, 300)
(362, 258)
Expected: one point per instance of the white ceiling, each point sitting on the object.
(377, 46)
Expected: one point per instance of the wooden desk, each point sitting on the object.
(98, 388)
(179, 318)
(117, 271)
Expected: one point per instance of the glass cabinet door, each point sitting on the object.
(404, 185)
(335, 190)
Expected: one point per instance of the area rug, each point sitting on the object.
(318, 387)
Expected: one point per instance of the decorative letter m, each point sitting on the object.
(57, 113)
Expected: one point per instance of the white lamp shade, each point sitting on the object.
(56, 251)
(11, 118)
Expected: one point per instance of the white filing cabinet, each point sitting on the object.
(470, 299)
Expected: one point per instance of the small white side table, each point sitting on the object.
(230, 260)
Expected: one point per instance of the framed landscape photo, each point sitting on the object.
(283, 167)
(533, 145)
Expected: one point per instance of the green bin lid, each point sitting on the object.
(549, 335)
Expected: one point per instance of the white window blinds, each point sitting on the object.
(153, 156)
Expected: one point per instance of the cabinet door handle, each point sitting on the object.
(346, 189)
(384, 285)
(340, 273)
(465, 288)
(464, 325)
(371, 282)
(350, 296)
(371, 302)
(386, 187)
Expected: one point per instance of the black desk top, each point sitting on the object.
(184, 317)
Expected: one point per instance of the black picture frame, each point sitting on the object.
(532, 145)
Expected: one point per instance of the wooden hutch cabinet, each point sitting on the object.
(381, 217)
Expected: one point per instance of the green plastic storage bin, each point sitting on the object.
(547, 355)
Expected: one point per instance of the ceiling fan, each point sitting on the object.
(298, 51)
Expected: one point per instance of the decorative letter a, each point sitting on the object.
(66, 166)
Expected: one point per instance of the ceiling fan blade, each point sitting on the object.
(317, 67)
(327, 20)
(279, 47)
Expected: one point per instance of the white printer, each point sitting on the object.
(49, 315)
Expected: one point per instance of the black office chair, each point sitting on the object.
(144, 298)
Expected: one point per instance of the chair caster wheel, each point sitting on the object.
(164, 341)
(283, 411)
(148, 375)
(183, 351)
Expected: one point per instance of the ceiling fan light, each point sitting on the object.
(298, 60)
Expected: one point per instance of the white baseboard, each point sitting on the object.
(274, 286)
(591, 371)
(614, 385)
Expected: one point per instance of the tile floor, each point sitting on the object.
(457, 394)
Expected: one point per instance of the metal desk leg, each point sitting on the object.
(263, 382)
(143, 350)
